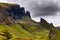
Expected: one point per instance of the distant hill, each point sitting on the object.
(58, 28)
(16, 24)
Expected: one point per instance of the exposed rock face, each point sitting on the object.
(46, 24)
(43, 20)
(26, 27)
(18, 12)
(15, 11)
(3, 16)
(28, 14)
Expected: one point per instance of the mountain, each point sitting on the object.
(16, 24)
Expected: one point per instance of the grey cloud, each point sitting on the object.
(12, 0)
(44, 9)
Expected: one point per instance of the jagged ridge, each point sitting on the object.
(14, 10)
(16, 24)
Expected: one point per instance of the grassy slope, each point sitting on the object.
(33, 30)
(15, 30)
(39, 34)
(7, 5)
(56, 34)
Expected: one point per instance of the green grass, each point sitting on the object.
(17, 31)
(26, 28)
(7, 5)
(56, 34)
(31, 30)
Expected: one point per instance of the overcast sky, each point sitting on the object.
(47, 9)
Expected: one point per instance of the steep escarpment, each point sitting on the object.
(16, 24)
(14, 11)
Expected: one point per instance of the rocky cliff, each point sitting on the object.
(16, 24)
(14, 10)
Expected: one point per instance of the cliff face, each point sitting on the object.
(18, 12)
(24, 28)
(14, 11)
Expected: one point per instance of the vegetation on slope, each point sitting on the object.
(24, 28)
(54, 34)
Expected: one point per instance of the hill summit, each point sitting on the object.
(13, 10)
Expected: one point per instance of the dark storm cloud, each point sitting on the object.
(44, 9)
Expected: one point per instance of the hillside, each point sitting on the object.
(16, 24)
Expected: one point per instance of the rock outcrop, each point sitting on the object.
(14, 11)
(44, 23)
(22, 26)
